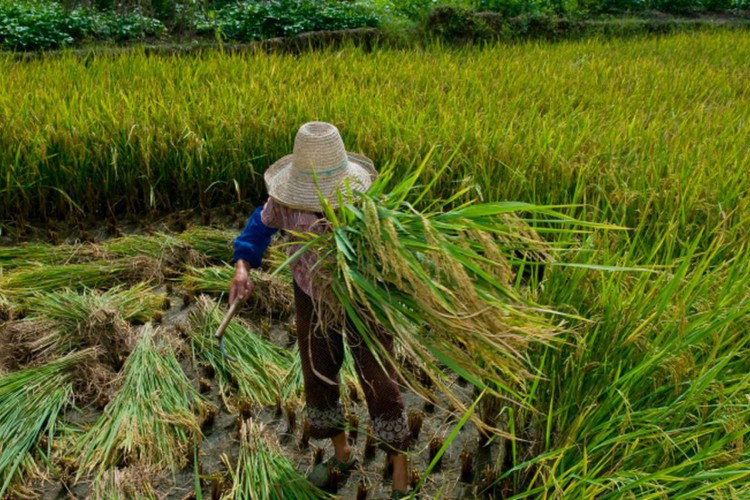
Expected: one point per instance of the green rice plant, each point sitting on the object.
(30, 402)
(153, 419)
(272, 295)
(262, 472)
(27, 282)
(260, 367)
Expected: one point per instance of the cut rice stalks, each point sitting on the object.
(128, 483)
(440, 280)
(263, 472)
(29, 281)
(92, 318)
(30, 402)
(152, 419)
(272, 295)
(261, 365)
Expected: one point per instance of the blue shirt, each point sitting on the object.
(251, 245)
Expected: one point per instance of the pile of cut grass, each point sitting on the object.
(262, 472)
(31, 401)
(154, 418)
(271, 295)
(256, 377)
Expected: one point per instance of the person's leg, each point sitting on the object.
(321, 354)
(384, 403)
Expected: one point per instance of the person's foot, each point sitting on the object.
(320, 475)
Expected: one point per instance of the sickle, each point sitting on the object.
(223, 326)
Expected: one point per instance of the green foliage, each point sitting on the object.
(47, 25)
(250, 20)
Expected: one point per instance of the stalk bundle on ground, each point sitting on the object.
(154, 417)
(26, 282)
(260, 367)
(272, 295)
(264, 473)
(30, 402)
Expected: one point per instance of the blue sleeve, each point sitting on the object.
(252, 243)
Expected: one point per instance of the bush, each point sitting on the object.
(457, 24)
(246, 21)
(47, 25)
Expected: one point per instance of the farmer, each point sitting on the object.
(320, 164)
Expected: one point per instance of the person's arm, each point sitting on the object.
(249, 248)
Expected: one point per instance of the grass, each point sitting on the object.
(30, 402)
(153, 419)
(263, 472)
(261, 365)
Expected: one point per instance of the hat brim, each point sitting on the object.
(300, 190)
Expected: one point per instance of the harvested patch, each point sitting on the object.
(152, 419)
(27, 282)
(264, 473)
(271, 296)
(30, 402)
(261, 365)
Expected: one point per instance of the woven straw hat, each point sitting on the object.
(319, 162)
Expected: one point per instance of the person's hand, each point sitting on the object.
(242, 286)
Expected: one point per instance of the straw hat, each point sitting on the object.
(319, 162)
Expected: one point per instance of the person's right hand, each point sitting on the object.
(242, 286)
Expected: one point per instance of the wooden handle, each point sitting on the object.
(227, 318)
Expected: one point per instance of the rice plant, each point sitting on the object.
(30, 402)
(215, 244)
(272, 295)
(153, 419)
(262, 472)
(261, 365)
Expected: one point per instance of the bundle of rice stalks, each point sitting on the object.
(264, 473)
(26, 342)
(7, 310)
(171, 253)
(125, 484)
(152, 419)
(214, 244)
(260, 367)
(272, 295)
(441, 280)
(26, 282)
(42, 253)
(92, 318)
(30, 402)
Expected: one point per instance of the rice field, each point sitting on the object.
(642, 394)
